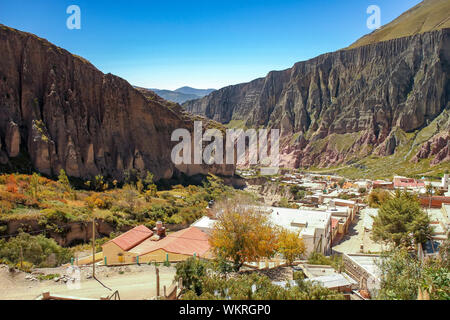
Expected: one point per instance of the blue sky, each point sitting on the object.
(205, 44)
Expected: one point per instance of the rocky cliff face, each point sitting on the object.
(347, 104)
(60, 112)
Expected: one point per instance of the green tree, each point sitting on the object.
(64, 181)
(401, 220)
(34, 185)
(259, 287)
(37, 250)
(192, 271)
(402, 274)
(148, 180)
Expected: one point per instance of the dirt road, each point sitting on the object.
(133, 283)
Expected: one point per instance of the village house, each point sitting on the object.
(408, 183)
(445, 183)
(363, 268)
(314, 227)
(142, 245)
(116, 251)
(175, 247)
(381, 184)
(433, 201)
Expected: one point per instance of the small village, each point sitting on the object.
(332, 216)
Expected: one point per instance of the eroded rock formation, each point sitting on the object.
(61, 112)
(346, 104)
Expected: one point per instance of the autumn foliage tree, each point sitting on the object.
(290, 245)
(242, 234)
(11, 184)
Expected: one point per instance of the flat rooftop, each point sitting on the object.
(368, 262)
(285, 217)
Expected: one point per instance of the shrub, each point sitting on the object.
(37, 250)
(191, 271)
(25, 266)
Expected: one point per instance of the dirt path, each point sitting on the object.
(351, 243)
(133, 283)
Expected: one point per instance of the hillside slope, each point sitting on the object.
(344, 106)
(429, 15)
(59, 112)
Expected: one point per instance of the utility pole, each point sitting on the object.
(21, 257)
(93, 247)
(331, 235)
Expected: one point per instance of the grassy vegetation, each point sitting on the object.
(55, 204)
(426, 16)
(236, 124)
(382, 167)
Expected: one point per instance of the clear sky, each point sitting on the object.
(205, 44)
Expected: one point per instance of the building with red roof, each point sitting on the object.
(116, 250)
(434, 201)
(408, 183)
(177, 246)
(139, 245)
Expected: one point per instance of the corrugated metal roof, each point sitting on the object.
(333, 281)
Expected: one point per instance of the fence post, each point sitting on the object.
(157, 282)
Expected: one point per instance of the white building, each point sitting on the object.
(445, 181)
(312, 226)
(205, 224)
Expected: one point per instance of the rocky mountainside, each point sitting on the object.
(59, 112)
(344, 106)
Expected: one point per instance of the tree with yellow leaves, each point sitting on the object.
(242, 234)
(290, 245)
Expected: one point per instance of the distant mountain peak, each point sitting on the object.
(182, 94)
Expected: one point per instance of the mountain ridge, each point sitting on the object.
(428, 15)
(182, 94)
(60, 112)
(304, 101)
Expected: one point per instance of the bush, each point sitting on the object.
(24, 266)
(37, 250)
(191, 271)
(318, 258)
(378, 197)
(258, 287)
